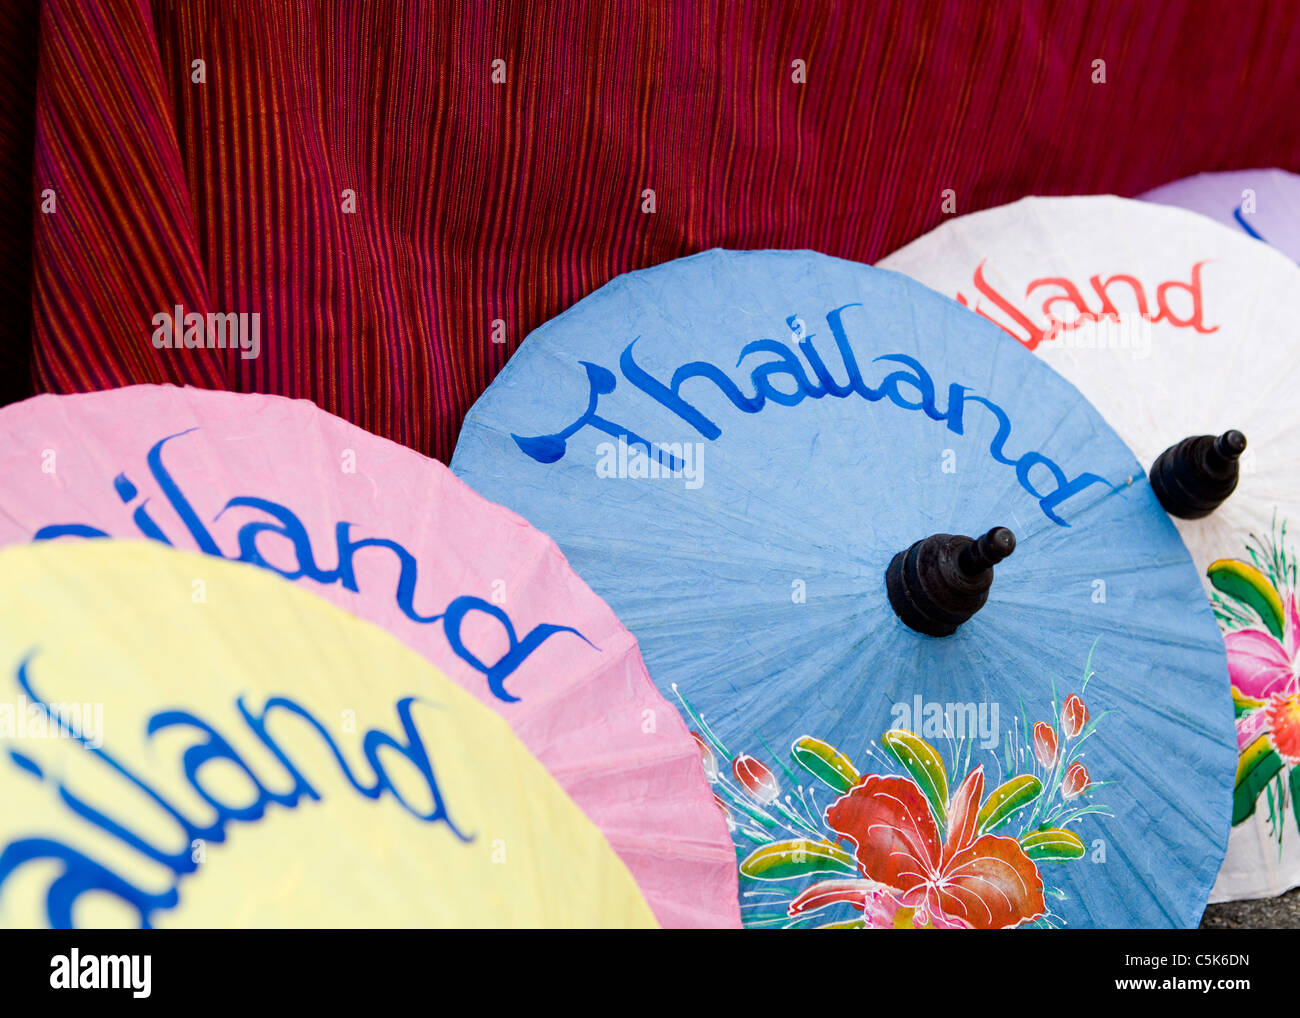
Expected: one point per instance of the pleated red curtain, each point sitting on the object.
(403, 190)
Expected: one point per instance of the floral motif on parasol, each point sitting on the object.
(1181, 332)
(1255, 603)
(814, 579)
(901, 850)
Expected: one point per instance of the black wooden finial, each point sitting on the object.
(1193, 477)
(941, 581)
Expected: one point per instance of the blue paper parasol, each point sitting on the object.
(733, 448)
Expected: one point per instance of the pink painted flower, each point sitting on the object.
(1076, 781)
(1259, 664)
(1044, 743)
(1074, 715)
(965, 881)
(755, 779)
(1265, 673)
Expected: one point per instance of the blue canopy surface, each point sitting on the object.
(731, 447)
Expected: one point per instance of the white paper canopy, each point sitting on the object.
(1173, 325)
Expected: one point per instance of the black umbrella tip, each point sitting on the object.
(941, 581)
(1193, 477)
(987, 551)
(1230, 445)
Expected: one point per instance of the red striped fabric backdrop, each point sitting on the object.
(482, 203)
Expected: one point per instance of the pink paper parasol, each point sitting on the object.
(395, 538)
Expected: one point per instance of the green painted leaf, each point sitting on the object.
(825, 763)
(1008, 798)
(785, 860)
(1243, 705)
(1052, 844)
(921, 761)
(1246, 584)
(1258, 765)
(1295, 794)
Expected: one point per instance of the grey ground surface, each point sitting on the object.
(1280, 913)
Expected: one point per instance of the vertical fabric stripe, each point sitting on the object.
(479, 202)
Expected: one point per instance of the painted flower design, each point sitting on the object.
(1262, 666)
(756, 779)
(1283, 716)
(835, 848)
(707, 758)
(966, 880)
(877, 903)
(1044, 743)
(1257, 608)
(1076, 781)
(1074, 715)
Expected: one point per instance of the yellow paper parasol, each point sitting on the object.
(186, 741)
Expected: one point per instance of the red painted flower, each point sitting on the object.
(1074, 715)
(755, 779)
(1076, 781)
(1283, 714)
(1044, 743)
(707, 758)
(965, 881)
(877, 905)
